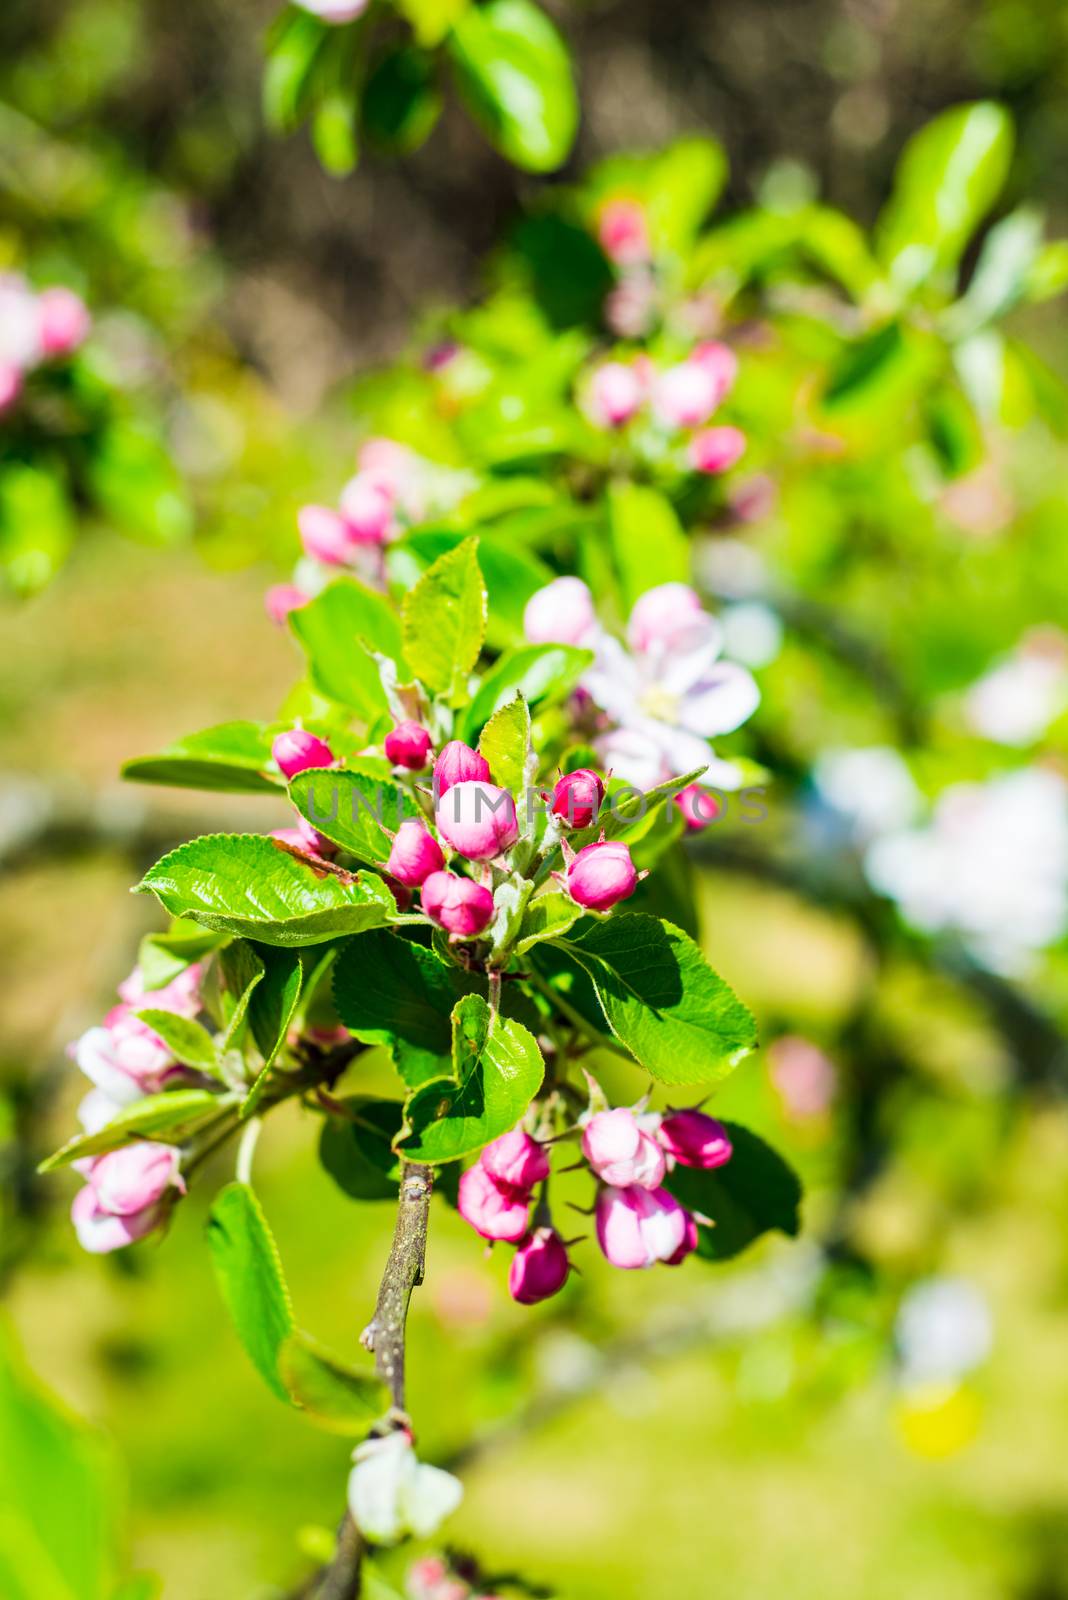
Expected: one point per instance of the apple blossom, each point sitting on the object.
(325, 535)
(495, 1210)
(665, 618)
(478, 820)
(622, 1152)
(698, 805)
(602, 874)
(297, 751)
(64, 321)
(134, 1177)
(334, 12)
(623, 232)
(415, 854)
(458, 763)
(281, 599)
(715, 450)
(367, 509)
(539, 1267)
(612, 394)
(561, 613)
(459, 906)
(637, 1227)
(685, 395)
(408, 745)
(577, 797)
(695, 1140)
(516, 1159)
(720, 362)
(392, 1494)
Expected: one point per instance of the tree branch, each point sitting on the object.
(385, 1337)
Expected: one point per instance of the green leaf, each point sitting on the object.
(444, 619)
(357, 1150)
(505, 743)
(677, 1017)
(244, 883)
(755, 1191)
(337, 631)
(240, 972)
(1002, 274)
(60, 1494)
(289, 72)
(513, 73)
(230, 758)
(391, 992)
(249, 1273)
(547, 917)
(512, 573)
(431, 19)
(137, 486)
(328, 1391)
(162, 957)
(949, 176)
(334, 130)
(271, 1009)
(647, 538)
(186, 1040)
(401, 101)
(353, 809)
(685, 182)
(36, 527)
(542, 673)
(497, 1071)
(171, 1117)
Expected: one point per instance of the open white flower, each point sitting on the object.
(392, 1493)
(667, 702)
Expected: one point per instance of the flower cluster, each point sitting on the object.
(392, 489)
(674, 402)
(127, 1191)
(639, 1222)
(653, 704)
(35, 327)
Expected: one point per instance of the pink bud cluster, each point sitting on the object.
(432, 1578)
(679, 399)
(125, 1061)
(35, 327)
(495, 1196)
(639, 1222)
(387, 492)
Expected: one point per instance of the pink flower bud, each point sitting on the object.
(601, 874)
(458, 763)
(493, 1209)
(298, 751)
(664, 617)
(461, 907)
(716, 449)
(639, 1227)
(134, 1177)
(695, 1140)
(621, 1152)
(539, 1267)
(367, 507)
(698, 806)
(612, 394)
(577, 797)
(324, 535)
(622, 232)
(685, 395)
(64, 321)
(334, 12)
(408, 745)
(181, 995)
(415, 854)
(516, 1159)
(561, 613)
(99, 1231)
(281, 599)
(10, 385)
(478, 820)
(689, 1243)
(720, 362)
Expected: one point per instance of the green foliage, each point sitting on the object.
(245, 884)
(229, 758)
(170, 1116)
(400, 995)
(444, 620)
(505, 744)
(188, 1041)
(354, 808)
(514, 75)
(662, 1000)
(338, 630)
(497, 1069)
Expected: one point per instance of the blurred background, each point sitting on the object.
(767, 1430)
